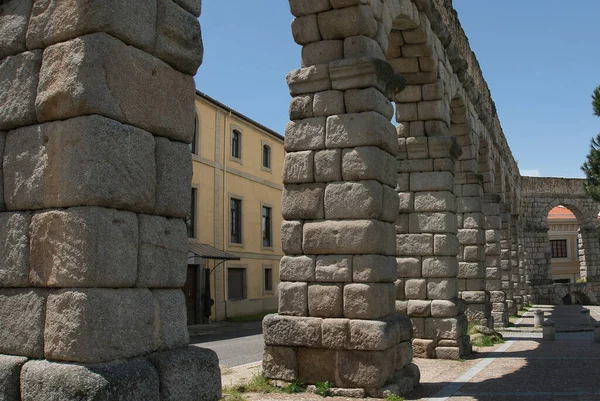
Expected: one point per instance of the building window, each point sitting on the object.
(559, 248)
(266, 156)
(236, 139)
(194, 144)
(268, 280)
(267, 232)
(190, 220)
(236, 220)
(236, 283)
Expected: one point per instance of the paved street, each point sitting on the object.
(235, 346)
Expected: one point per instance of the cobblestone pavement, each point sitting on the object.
(525, 368)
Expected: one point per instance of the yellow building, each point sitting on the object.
(564, 245)
(236, 198)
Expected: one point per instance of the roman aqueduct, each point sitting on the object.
(395, 234)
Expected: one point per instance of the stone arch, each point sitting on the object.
(588, 237)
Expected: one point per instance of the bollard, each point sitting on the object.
(549, 330)
(585, 317)
(538, 318)
(597, 332)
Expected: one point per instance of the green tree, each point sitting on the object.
(591, 167)
(596, 101)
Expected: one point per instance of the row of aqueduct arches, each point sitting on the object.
(394, 234)
(471, 232)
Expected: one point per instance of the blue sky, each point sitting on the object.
(541, 60)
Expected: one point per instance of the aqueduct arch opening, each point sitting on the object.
(540, 195)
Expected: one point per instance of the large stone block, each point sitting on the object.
(162, 253)
(291, 237)
(170, 324)
(10, 372)
(43, 165)
(408, 267)
(369, 99)
(309, 80)
(178, 39)
(373, 334)
(361, 129)
(435, 181)
(134, 380)
(297, 268)
(280, 363)
(111, 78)
(336, 333)
(438, 201)
(369, 163)
(369, 301)
(292, 331)
(433, 222)
(173, 178)
(325, 300)
(293, 298)
(334, 268)
(345, 22)
(188, 374)
(98, 325)
(442, 288)
(323, 52)
(14, 249)
(365, 368)
(18, 88)
(348, 237)
(444, 308)
(307, 134)
(22, 314)
(316, 365)
(303, 202)
(84, 247)
(449, 328)
(298, 167)
(353, 200)
(373, 269)
(14, 19)
(301, 7)
(305, 29)
(414, 244)
(444, 266)
(133, 22)
(328, 165)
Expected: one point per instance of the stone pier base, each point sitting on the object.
(373, 355)
(189, 373)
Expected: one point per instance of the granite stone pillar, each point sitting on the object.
(96, 111)
(493, 274)
(514, 267)
(336, 320)
(471, 257)
(506, 257)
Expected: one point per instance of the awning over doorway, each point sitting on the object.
(210, 252)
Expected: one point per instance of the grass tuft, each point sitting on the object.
(324, 389)
(393, 397)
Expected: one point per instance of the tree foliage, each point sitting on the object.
(591, 167)
(596, 101)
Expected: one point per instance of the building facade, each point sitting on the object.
(564, 245)
(234, 227)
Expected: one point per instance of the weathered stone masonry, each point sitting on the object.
(96, 111)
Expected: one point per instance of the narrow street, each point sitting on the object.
(235, 345)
